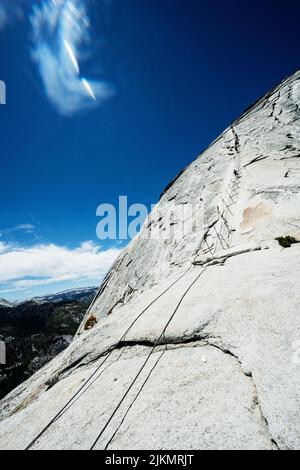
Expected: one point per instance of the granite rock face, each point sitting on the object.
(197, 339)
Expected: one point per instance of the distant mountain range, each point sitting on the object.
(5, 303)
(83, 294)
(36, 330)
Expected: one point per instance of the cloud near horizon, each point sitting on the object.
(23, 268)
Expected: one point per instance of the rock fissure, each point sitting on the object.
(204, 340)
(168, 342)
(256, 160)
(256, 400)
(264, 420)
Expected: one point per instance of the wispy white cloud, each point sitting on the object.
(22, 268)
(3, 16)
(29, 228)
(25, 227)
(60, 29)
(10, 10)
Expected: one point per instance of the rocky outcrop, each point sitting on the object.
(197, 323)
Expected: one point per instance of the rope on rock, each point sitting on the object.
(135, 399)
(89, 382)
(78, 394)
(148, 357)
(219, 236)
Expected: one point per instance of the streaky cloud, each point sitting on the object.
(72, 56)
(17, 228)
(88, 88)
(3, 16)
(60, 29)
(10, 10)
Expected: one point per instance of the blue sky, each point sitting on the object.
(168, 76)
